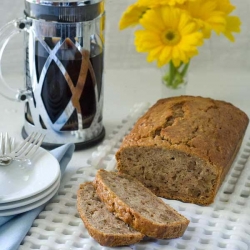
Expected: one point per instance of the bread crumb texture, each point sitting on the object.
(102, 225)
(183, 147)
(136, 205)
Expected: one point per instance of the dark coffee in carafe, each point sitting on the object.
(56, 91)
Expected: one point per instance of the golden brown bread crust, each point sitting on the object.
(171, 223)
(201, 131)
(100, 223)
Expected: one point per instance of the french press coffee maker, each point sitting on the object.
(63, 93)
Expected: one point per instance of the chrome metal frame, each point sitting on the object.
(36, 32)
(62, 3)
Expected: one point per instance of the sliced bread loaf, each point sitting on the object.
(136, 205)
(102, 225)
(183, 147)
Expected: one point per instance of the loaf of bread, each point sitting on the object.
(183, 147)
(102, 225)
(136, 205)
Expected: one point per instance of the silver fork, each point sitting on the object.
(23, 152)
(6, 147)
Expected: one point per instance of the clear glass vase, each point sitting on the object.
(174, 80)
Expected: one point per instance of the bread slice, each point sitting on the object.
(136, 205)
(102, 225)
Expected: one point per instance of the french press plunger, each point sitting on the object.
(63, 94)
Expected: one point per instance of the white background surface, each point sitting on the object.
(221, 71)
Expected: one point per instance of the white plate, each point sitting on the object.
(32, 199)
(21, 180)
(31, 206)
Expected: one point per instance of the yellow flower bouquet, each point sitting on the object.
(171, 30)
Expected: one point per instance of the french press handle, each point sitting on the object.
(9, 30)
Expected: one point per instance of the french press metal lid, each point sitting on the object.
(64, 11)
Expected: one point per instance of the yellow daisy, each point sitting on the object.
(132, 16)
(225, 6)
(207, 16)
(169, 35)
(154, 4)
(232, 25)
(149, 3)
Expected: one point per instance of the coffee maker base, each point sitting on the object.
(78, 145)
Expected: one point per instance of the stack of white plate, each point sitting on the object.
(27, 185)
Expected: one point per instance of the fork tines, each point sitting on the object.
(6, 144)
(29, 146)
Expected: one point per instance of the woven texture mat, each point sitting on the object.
(223, 225)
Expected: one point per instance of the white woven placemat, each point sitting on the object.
(223, 225)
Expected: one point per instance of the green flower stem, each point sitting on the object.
(172, 73)
(176, 75)
(185, 69)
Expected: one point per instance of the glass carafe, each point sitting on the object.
(64, 55)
